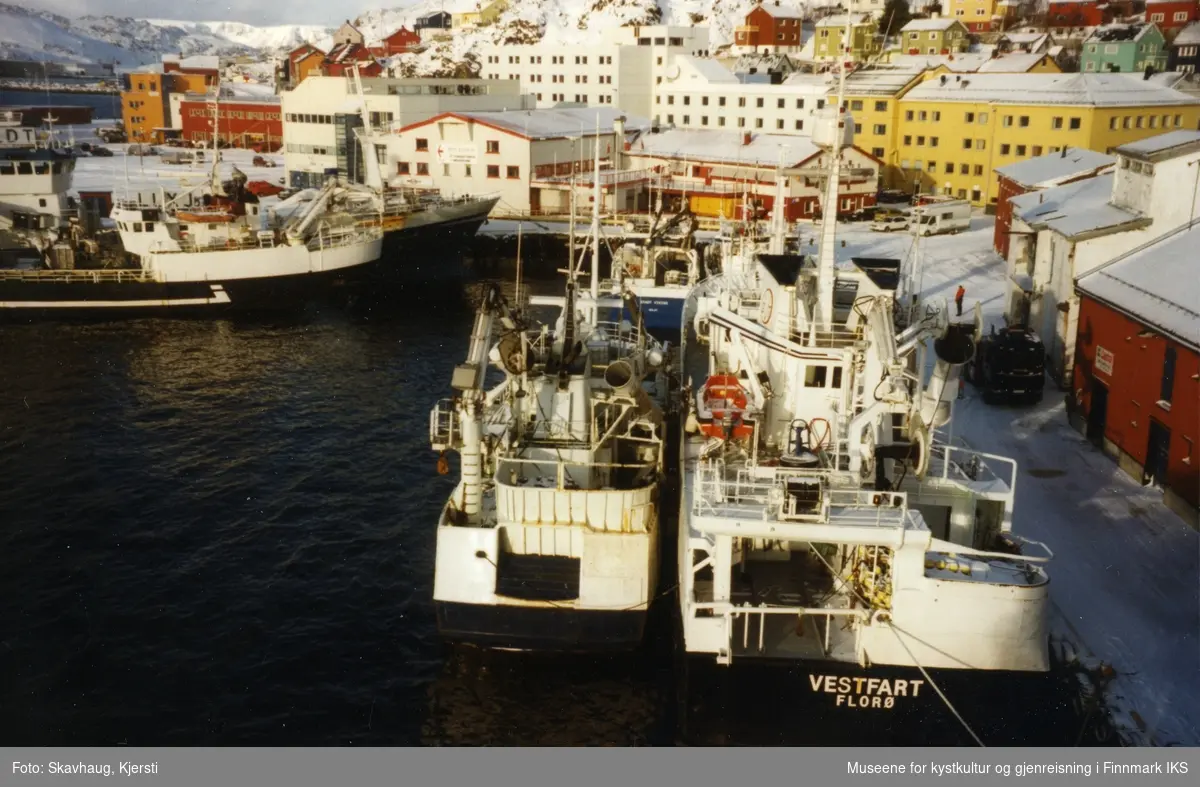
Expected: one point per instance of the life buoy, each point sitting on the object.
(767, 308)
(634, 269)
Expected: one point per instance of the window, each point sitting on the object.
(1157, 17)
(1037, 150)
(877, 152)
(422, 168)
(493, 170)
(921, 141)
(931, 166)
(670, 118)
(720, 120)
(1004, 150)
(758, 123)
(721, 101)
(980, 144)
(907, 139)
(970, 117)
(976, 195)
(1112, 124)
(820, 103)
(799, 125)
(856, 106)
(687, 101)
(937, 116)
(671, 99)
(779, 103)
(687, 120)
(446, 170)
(422, 144)
(779, 124)
(879, 129)
(513, 173)
(1007, 122)
(933, 142)
(493, 146)
(921, 115)
(881, 106)
(1178, 121)
(964, 169)
(1056, 123)
(704, 101)
(742, 101)
(1076, 123)
(966, 144)
(1023, 121)
(908, 115)
(758, 103)
(814, 376)
(799, 103)
(467, 170)
(741, 122)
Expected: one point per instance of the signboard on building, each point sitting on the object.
(449, 153)
(1104, 360)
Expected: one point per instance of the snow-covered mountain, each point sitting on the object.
(35, 35)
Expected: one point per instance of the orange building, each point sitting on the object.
(146, 96)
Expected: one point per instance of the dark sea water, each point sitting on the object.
(221, 532)
(104, 105)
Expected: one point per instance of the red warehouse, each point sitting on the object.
(243, 122)
(768, 26)
(1172, 15)
(1074, 13)
(1137, 364)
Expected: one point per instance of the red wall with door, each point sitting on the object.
(1132, 369)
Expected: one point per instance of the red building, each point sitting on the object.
(770, 26)
(1137, 365)
(241, 122)
(1074, 13)
(342, 56)
(1172, 15)
(1041, 172)
(399, 42)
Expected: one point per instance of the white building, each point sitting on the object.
(1061, 233)
(528, 157)
(619, 71)
(702, 94)
(320, 113)
(715, 170)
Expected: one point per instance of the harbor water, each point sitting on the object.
(221, 532)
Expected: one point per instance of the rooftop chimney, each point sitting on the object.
(745, 137)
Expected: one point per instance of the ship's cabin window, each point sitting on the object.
(43, 168)
(820, 377)
(149, 226)
(137, 226)
(24, 168)
(41, 203)
(56, 168)
(7, 168)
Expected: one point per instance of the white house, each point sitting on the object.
(621, 70)
(320, 112)
(1064, 232)
(529, 157)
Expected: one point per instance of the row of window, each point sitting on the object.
(948, 168)
(493, 170)
(780, 103)
(1142, 167)
(952, 35)
(304, 118)
(36, 168)
(236, 114)
(312, 150)
(978, 12)
(1180, 16)
(1187, 51)
(556, 60)
(1143, 121)
(579, 98)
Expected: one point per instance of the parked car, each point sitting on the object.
(942, 216)
(111, 134)
(261, 161)
(892, 196)
(863, 214)
(100, 150)
(142, 150)
(891, 222)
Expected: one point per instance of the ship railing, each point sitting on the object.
(771, 493)
(747, 613)
(558, 429)
(808, 334)
(967, 466)
(96, 276)
(187, 246)
(443, 425)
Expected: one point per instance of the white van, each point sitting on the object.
(941, 216)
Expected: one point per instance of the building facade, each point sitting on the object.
(1136, 391)
(937, 36)
(1171, 16)
(770, 28)
(1068, 19)
(1124, 49)
(978, 16)
(955, 130)
(146, 97)
(864, 44)
(243, 122)
(321, 113)
(1183, 54)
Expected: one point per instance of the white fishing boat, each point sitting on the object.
(660, 270)
(35, 176)
(825, 518)
(550, 540)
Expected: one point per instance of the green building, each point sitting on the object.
(1124, 48)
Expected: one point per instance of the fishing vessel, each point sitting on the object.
(208, 248)
(35, 176)
(550, 540)
(660, 269)
(825, 518)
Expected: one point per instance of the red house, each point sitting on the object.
(399, 42)
(1137, 365)
(1062, 14)
(1172, 15)
(241, 122)
(343, 55)
(769, 27)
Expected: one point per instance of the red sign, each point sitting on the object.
(1104, 360)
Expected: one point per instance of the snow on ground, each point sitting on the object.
(1125, 570)
(123, 174)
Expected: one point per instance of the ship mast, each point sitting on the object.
(827, 254)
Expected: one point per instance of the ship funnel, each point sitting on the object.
(953, 350)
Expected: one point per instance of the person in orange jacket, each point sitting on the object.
(958, 298)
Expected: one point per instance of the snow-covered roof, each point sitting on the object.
(839, 20)
(1075, 209)
(200, 62)
(964, 62)
(921, 25)
(782, 11)
(869, 81)
(1163, 146)
(1188, 35)
(1118, 32)
(1015, 63)
(554, 123)
(1156, 284)
(1035, 39)
(1053, 168)
(726, 146)
(1104, 90)
(702, 69)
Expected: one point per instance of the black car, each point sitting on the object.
(892, 197)
(100, 150)
(863, 214)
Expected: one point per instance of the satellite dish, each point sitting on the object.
(922, 444)
(978, 323)
(673, 71)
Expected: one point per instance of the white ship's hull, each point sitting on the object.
(569, 571)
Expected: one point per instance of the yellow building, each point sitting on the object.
(145, 100)
(485, 13)
(937, 36)
(954, 130)
(873, 101)
(976, 15)
(829, 32)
